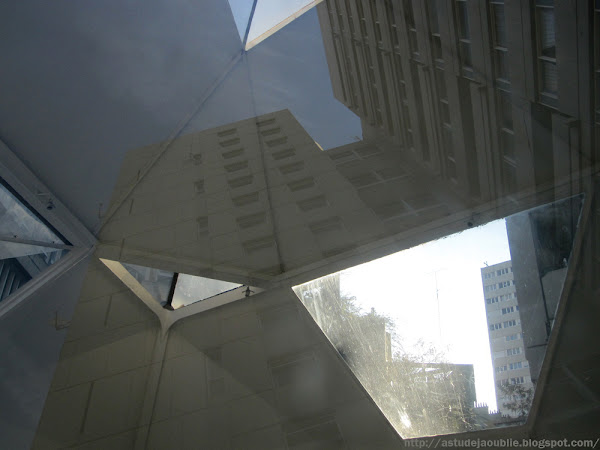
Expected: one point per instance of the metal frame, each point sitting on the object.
(35, 195)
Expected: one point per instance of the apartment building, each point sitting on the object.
(507, 345)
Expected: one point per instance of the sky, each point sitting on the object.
(267, 14)
(403, 287)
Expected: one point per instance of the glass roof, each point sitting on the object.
(18, 221)
(157, 282)
(27, 244)
(177, 290)
(356, 129)
(448, 336)
(191, 289)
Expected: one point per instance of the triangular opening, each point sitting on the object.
(450, 336)
(191, 289)
(157, 282)
(272, 15)
(18, 221)
(174, 290)
(241, 10)
(20, 263)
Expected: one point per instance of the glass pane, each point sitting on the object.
(508, 144)
(509, 177)
(549, 77)
(157, 282)
(441, 335)
(505, 109)
(547, 32)
(465, 53)
(437, 47)
(434, 26)
(20, 263)
(408, 13)
(463, 20)
(17, 221)
(191, 289)
(597, 91)
(499, 25)
(441, 85)
(501, 65)
(272, 15)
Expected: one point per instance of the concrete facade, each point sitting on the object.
(507, 346)
(243, 203)
(502, 111)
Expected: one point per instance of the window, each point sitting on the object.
(499, 44)
(517, 380)
(546, 51)
(517, 365)
(389, 10)
(28, 244)
(510, 323)
(376, 23)
(502, 271)
(170, 289)
(363, 20)
(513, 351)
(597, 57)
(502, 284)
(508, 310)
(501, 369)
(513, 337)
(340, 16)
(464, 38)
(409, 17)
(434, 29)
(495, 326)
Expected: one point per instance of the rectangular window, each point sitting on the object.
(499, 43)
(434, 29)
(464, 38)
(409, 17)
(546, 51)
(597, 52)
(389, 10)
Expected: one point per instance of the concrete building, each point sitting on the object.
(244, 202)
(507, 345)
(485, 90)
(86, 365)
(541, 242)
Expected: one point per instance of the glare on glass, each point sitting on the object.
(191, 289)
(157, 282)
(450, 336)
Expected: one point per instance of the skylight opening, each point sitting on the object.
(172, 290)
(257, 20)
(441, 335)
(28, 244)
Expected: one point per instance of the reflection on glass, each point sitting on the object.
(21, 258)
(191, 289)
(17, 221)
(157, 282)
(19, 263)
(449, 336)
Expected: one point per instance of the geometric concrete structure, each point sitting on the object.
(86, 364)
